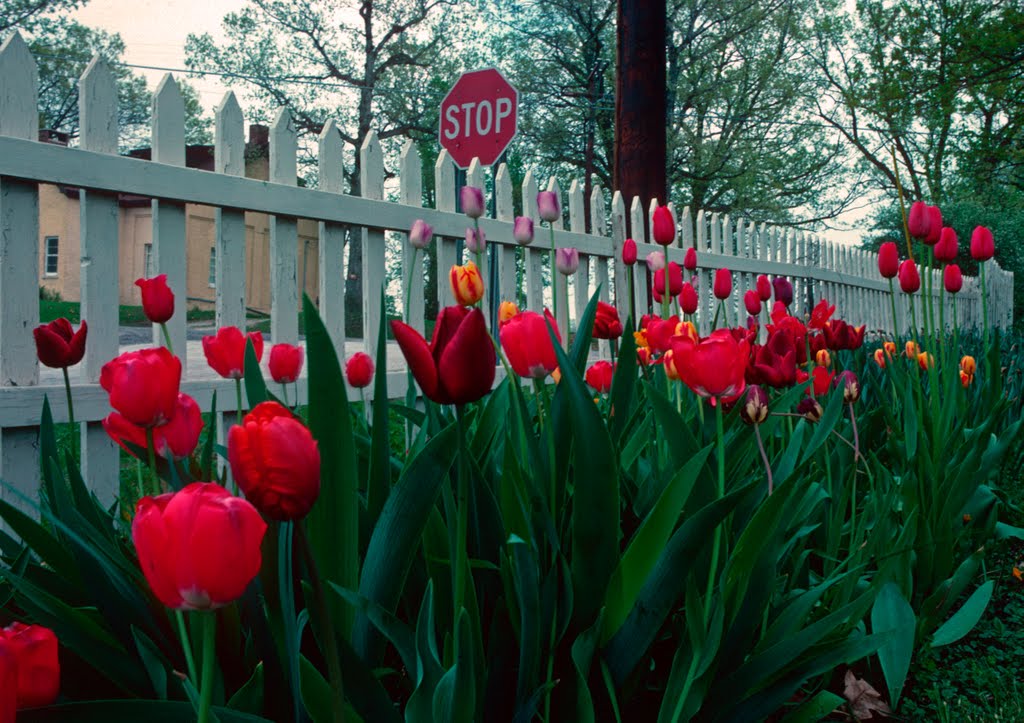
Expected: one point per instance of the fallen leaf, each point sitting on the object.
(864, 700)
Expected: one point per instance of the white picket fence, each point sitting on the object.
(818, 267)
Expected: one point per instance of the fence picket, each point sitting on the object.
(561, 280)
(641, 274)
(620, 269)
(444, 192)
(410, 193)
(506, 253)
(578, 224)
(284, 237)
(229, 223)
(371, 184)
(475, 177)
(331, 247)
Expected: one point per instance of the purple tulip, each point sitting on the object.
(567, 260)
(522, 230)
(420, 234)
(655, 261)
(476, 242)
(783, 290)
(472, 199)
(548, 207)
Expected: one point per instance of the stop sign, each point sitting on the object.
(478, 117)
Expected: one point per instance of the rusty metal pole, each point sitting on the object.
(640, 87)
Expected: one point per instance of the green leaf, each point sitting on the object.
(249, 698)
(595, 506)
(583, 650)
(333, 523)
(823, 428)
(206, 456)
(891, 612)
(580, 351)
(255, 386)
(648, 543)
(398, 532)
(379, 482)
(39, 540)
(815, 709)
(455, 695)
(154, 662)
(964, 619)
(316, 692)
(129, 711)
(623, 384)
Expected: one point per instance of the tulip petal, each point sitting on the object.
(417, 355)
(153, 546)
(467, 365)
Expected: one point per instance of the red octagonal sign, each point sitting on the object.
(478, 117)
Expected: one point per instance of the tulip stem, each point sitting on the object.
(460, 554)
(714, 323)
(408, 287)
(284, 391)
(151, 447)
(167, 337)
(554, 276)
(764, 457)
(984, 308)
(632, 300)
(716, 545)
(238, 400)
(186, 645)
(895, 317)
(209, 657)
(71, 414)
(138, 475)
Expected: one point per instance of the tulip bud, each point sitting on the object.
(686, 328)
(663, 226)
(522, 230)
(952, 279)
(888, 260)
(848, 382)
(359, 370)
(934, 226)
(669, 365)
(506, 310)
(880, 357)
(764, 288)
(567, 260)
(467, 284)
(925, 360)
(688, 299)
(911, 350)
(472, 200)
(58, 345)
(918, 220)
(655, 261)
(29, 655)
(910, 280)
(476, 240)
(783, 290)
(890, 348)
(690, 259)
(982, 244)
(285, 362)
(420, 234)
(946, 249)
(754, 409)
(753, 302)
(723, 284)
(965, 379)
(629, 252)
(822, 358)
(968, 365)
(810, 409)
(548, 206)
(599, 376)
(157, 298)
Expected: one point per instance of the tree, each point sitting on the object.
(370, 64)
(24, 14)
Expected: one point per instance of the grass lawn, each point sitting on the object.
(127, 315)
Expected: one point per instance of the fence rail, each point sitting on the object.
(818, 267)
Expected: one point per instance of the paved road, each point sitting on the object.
(129, 335)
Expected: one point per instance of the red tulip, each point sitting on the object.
(783, 290)
(983, 246)
(952, 279)
(675, 281)
(688, 300)
(599, 376)
(629, 252)
(58, 346)
(753, 302)
(143, 385)
(910, 280)
(888, 260)
(774, 363)
(225, 351)
(8, 683)
(457, 367)
(199, 548)
(714, 366)
(820, 315)
(157, 298)
(606, 322)
(723, 284)
(359, 370)
(839, 335)
(177, 438)
(918, 221)
(934, 226)
(663, 226)
(33, 649)
(660, 332)
(286, 362)
(822, 379)
(275, 461)
(690, 259)
(946, 249)
(527, 344)
(764, 287)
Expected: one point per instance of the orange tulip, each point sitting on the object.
(925, 360)
(880, 357)
(912, 350)
(506, 311)
(823, 358)
(467, 284)
(968, 365)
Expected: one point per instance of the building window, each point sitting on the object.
(213, 267)
(148, 262)
(52, 246)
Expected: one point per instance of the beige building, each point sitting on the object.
(59, 237)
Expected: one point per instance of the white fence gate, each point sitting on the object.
(844, 275)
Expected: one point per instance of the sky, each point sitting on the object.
(154, 34)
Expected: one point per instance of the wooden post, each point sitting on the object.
(538, 250)
(284, 237)
(331, 262)
(444, 191)
(229, 253)
(411, 194)
(371, 182)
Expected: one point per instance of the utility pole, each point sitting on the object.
(640, 87)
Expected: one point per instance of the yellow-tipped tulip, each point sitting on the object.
(823, 358)
(506, 311)
(467, 284)
(968, 365)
